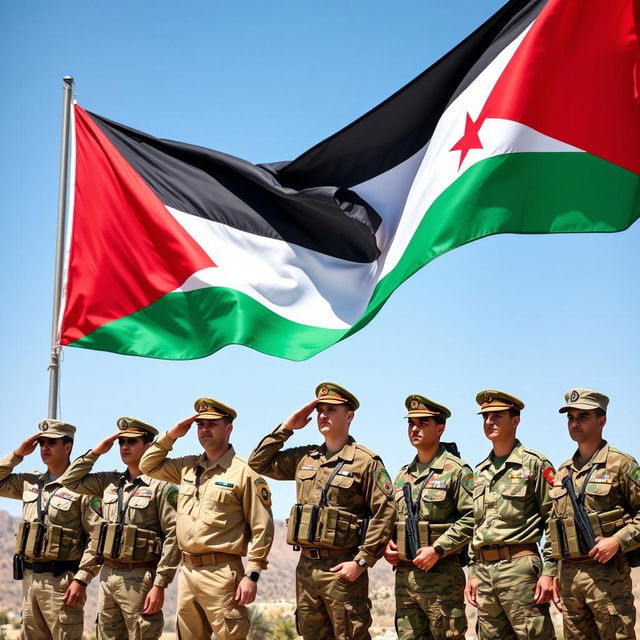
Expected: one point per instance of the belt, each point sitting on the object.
(494, 553)
(319, 554)
(205, 559)
(118, 564)
(56, 567)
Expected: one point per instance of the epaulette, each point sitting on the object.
(367, 451)
(628, 456)
(535, 454)
(459, 461)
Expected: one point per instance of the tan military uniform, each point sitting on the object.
(430, 605)
(327, 606)
(150, 504)
(511, 506)
(221, 510)
(44, 613)
(597, 597)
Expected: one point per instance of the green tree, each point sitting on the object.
(260, 626)
(283, 629)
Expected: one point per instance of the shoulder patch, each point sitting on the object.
(96, 504)
(384, 482)
(172, 495)
(549, 474)
(467, 482)
(262, 491)
(634, 473)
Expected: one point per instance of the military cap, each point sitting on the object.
(135, 428)
(493, 400)
(55, 429)
(421, 407)
(584, 399)
(210, 409)
(333, 393)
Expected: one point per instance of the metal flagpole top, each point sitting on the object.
(68, 79)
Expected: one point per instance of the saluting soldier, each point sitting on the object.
(341, 486)
(508, 582)
(223, 506)
(51, 543)
(595, 584)
(430, 585)
(136, 539)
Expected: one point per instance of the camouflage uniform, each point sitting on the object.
(430, 605)
(44, 613)
(150, 504)
(597, 597)
(328, 606)
(221, 510)
(511, 507)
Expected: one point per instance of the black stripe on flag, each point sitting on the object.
(222, 188)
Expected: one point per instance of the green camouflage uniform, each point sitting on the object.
(150, 505)
(597, 597)
(430, 605)
(44, 613)
(511, 507)
(327, 606)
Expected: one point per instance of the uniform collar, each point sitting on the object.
(515, 457)
(347, 453)
(599, 457)
(223, 461)
(437, 464)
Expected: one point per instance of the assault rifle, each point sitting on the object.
(411, 524)
(586, 537)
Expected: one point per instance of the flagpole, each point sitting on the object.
(63, 197)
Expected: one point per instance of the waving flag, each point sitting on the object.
(530, 125)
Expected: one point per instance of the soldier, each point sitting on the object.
(222, 507)
(137, 538)
(595, 584)
(341, 486)
(430, 586)
(52, 539)
(508, 583)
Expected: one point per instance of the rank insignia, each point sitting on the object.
(143, 492)
(467, 482)
(414, 404)
(307, 467)
(574, 396)
(437, 484)
(634, 474)
(324, 391)
(172, 495)
(603, 478)
(550, 475)
(384, 482)
(262, 490)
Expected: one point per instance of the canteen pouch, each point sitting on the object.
(293, 524)
(112, 540)
(18, 567)
(35, 540)
(58, 542)
(21, 538)
(137, 545)
(96, 544)
(337, 529)
(556, 538)
(574, 549)
(401, 541)
(308, 524)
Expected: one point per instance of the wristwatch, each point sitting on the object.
(438, 549)
(361, 562)
(254, 576)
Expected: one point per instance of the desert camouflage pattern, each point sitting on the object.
(329, 607)
(506, 607)
(597, 598)
(430, 604)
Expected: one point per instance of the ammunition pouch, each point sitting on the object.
(126, 542)
(564, 537)
(427, 535)
(38, 541)
(323, 527)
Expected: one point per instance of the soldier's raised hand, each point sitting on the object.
(180, 429)
(300, 418)
(28, 446)
(105, 445)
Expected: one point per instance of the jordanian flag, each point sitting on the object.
(530, 125)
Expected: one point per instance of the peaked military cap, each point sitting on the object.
(493, 400)
(135, 428)
(333, 393)
(55, 429)
(421, 407)
(210, 409)
(584, 399)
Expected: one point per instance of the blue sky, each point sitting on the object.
(533, 315)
